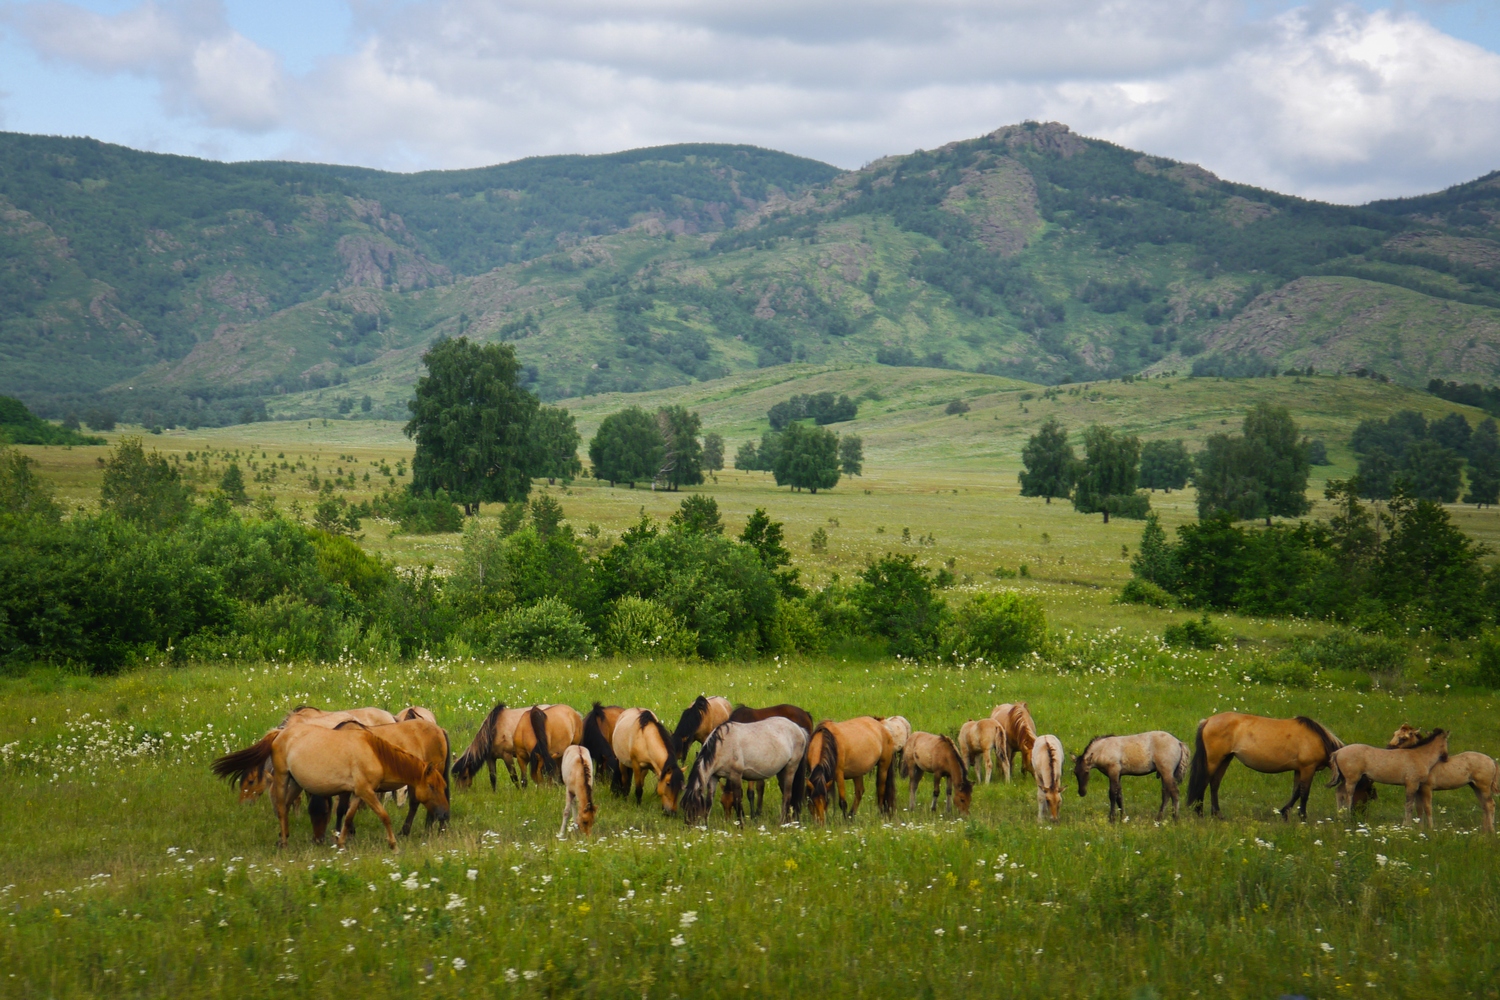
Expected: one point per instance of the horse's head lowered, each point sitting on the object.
(432, 791)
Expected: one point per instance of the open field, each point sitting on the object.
(130, 872)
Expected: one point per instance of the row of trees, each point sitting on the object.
(1427, 459)
(661, 448)
(1260, 472)
(821, 407)
(804, 457)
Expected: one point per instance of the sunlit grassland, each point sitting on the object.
(129, 871)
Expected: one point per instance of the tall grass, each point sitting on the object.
(129, 872)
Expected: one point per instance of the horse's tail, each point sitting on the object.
(481, 749)
(541, 755)
(1198, 783)
(1494, 779)
(601, 749)
(963, 768)
(888, 787)
(820, 772)
(799, 788)
(1180, 771)
(237, 764)
(1336, 776)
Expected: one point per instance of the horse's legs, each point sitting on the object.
(1216, 775)
(859, 794)
(510, 767)
(914, 779)
(280, 797)
(318, 811)
(640, 783)
(937, 787)
(1116, 796)
(737, 794)
(491, 765)
(373, 801)
(567, 808)
(411, 813)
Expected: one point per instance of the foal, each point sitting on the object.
(1409, 767)
(578, 799)
(1047, 768)
(1470, 768)
(1156, 752)
(982, 739)
(928, 753)
(1020, 733)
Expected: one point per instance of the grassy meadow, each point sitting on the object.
(129, 872)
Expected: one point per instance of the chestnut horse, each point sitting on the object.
(422, 739)
(578, 797)
(699, 719)
(598, 736)
(1020, 733)
(369, 716)
(850, 749)
(641, 744)
(542, 737)
(1270, 746)
(929, 753)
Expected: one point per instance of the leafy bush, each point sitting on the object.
(899, 601)
(1343, 650)
(641, 627)
(420, 513)
(1487, 660)
(1139, 591)
(1197, 633)
(547, 629)
(999, 628)
(797, 628)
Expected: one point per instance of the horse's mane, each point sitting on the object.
(482, 747)
(352, 722)
(541, 753)
(237, 764)
(1427, 739)
(299, 708)
(600, 748)
(408, 713)
(1051, 764)
(1329, 743)
(670, 770)
(687, 725)
(1090, 743)
(588, 780)
(958, 759)
(1022, 716)
(397, 761)
(694, 797)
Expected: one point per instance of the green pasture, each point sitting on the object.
(128, 871)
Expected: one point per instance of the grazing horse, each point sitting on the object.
(1047, 768)
(422, 739)
(1468, 769)
(368, 716)
(1157, 752)
(598, 736)
(1020, 733)
(411, 712)
(754, 751)
(744, 713)
(982, 740)
(1411, 767)
(578, 799)
(699, 719)
(542, 737)
(494, 741)
(850, 749)
(641, 744)
(928, 753)
(332, 762)
(1270, 746)
(899, 728)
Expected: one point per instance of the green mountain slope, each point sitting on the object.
(196, 291)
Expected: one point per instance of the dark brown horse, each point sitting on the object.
(598, 737)
(1270, 746)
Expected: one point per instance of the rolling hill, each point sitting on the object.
(189, 291)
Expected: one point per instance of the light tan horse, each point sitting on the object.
(424, 740)
(1020, 733)
(899, 728)
(1410, 767)
(642, 744)
(1157, 752)
(332, 762)
(494, 741)
(1047, 769)
(699, 719)
(578, 797)
(929, 753)
(982, 740)
(1270, 746)
(1470, 768)
(254, 784)
(411, 712)
(542, 737)
(850, 749)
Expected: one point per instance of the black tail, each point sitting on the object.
(799, 790)
(541, 755)
(482, 749)
(1198, 777)
(447, 764)
(600, 748)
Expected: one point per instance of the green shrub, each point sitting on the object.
(899, 600)
(547, 629)
(1195, 633)
(420, 514)
(1487, 660)
(641, 627)
(998, 628)
(1139, 591)
(1343, 650)
(797, 628)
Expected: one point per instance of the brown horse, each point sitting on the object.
(598, 736)
(928, 753)
(411, 712)
(1020, 733)
(1270, 746)
(1410, 767)
(332, 762)
(699, 719)
(744, 713)
(850, 749)
(641, 744)
(424, 740)
(494, 741)
(543, 736)
(1469, 769)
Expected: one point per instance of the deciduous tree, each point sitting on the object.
(627, 448)
(1049, 465)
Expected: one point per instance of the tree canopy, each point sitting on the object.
(1261, 472)
(472, 423)
(682, 457)
(628, 447)
(807, 459)
(1108, 475)
(1049, 465)
(556, 437)
(1165, 465)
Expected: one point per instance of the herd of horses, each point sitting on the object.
(343, 759)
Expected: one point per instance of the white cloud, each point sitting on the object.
(1332, 102)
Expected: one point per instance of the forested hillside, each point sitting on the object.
(166, 289)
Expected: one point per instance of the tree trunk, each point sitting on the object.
(1106, 517)
(1049, 498)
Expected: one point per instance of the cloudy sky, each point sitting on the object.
(1333, 100)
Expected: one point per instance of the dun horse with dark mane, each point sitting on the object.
(1270, 746)
(850, 749)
